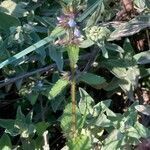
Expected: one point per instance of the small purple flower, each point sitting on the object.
(77, 33)
(72, 23)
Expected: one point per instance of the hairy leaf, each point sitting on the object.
(57, 88)
(73, 53)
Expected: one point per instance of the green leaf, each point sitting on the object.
(102, 121)
(128, 49)
(114, 47)
(41, 50)
(143, 57)
(57, 88)
(132, 132)
(41, 127)
(92, 79)
(24, 124)
(33, 97)
(81, 142)
(9, 126)
(86, 43)
(8, 21)
(101, 45)
(85, 103)
(113, 141)
(58, 103)
(73, 53)
(20, 118)
(7, 123)
(57, 56)
(142, 4)
(89, 10)
(144, 72)
(129, 28)
(102, 107)
(114, 84)
(30, 49)
(5, 142)
(143, 131)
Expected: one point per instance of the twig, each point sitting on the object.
(41, 70)
(49, 68)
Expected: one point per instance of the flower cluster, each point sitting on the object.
(96, 33)
(67, 21)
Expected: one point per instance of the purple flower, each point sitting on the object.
(72, 23)
(77, 33)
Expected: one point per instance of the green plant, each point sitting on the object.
(65, 82)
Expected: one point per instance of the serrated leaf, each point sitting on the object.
(5, 142)
(73, 53)
(66, 119)
(57, 88)
(92, 79)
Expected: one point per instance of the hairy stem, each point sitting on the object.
(73, 98)
(148, 39)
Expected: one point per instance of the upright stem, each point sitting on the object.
(148, 39)
(73, 98)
